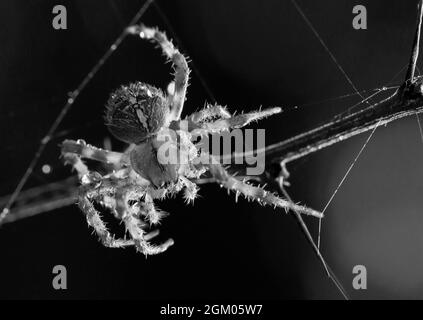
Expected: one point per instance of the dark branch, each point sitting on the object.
(408, 100)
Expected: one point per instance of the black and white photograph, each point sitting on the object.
(211, 158)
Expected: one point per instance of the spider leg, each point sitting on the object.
(153, 214)
(256, 193)
(237, 121)
(179, 62)
(94, 220)
(135, 226)
(88, 192)
(190, 189)
(75, 161)
(209, 112)
(87, 151)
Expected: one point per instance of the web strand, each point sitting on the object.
(309, 238)
(387, 85)
(329, 52)
(420, 126)
(345, 176)
(383, 89)
(344, 96)
(331, 55)
(70, 102)
(361, 150)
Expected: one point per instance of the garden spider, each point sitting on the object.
(150, 121)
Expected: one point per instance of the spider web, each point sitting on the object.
(52, 133)
(370, 136)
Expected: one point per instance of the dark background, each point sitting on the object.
(250, 53)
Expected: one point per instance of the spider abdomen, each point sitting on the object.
(136, 112)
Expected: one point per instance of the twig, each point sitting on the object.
(37, 200)
(408, 100)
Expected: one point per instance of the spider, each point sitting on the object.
(149, 121)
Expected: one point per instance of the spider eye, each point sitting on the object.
(136, 111)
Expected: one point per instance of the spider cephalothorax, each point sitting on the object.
(163, 157)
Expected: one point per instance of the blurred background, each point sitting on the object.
(246, 54)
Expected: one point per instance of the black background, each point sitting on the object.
(250, 54)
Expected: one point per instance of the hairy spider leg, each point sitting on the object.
(94, 220)
(88, 192)
(76, 162)
(92, 215)
(87, 151)
(255, 193)
(237, 121)
(179, 63)
(110, 181)
(190, 189)
(135, 226)
(209, 112)
(153, 214)
(72, 152)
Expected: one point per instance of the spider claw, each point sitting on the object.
(236, 196)
(168, 243)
